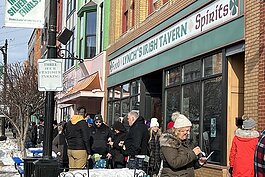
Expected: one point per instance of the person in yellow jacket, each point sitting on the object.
(77, 137)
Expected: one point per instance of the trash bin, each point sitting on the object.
(29, 166)
(46, 167)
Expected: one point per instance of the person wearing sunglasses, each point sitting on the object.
(100, 134)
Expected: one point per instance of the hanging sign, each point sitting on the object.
(24, 13)
(50, 74)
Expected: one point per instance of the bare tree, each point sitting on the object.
(22, 98)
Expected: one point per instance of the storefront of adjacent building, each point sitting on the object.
(84, 80)
(191, 61)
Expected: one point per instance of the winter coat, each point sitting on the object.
(178, 157)
(40, 133)
(34, 135)
(259, 159)
(136, 142)
(55, 132)
(242, 152)
(154, 160)
(59, 145)
(77, 134)
(99, 139)
(116, 150)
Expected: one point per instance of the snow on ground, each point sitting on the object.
(8, 149)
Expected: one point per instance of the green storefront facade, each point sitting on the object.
(185, 69)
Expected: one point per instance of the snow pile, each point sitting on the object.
(8, 149)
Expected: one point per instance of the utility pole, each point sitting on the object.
(49, 102)
(47, 166)
(4, 52)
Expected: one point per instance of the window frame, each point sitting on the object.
(202, 79)
(112, 100)
(90, 35)
(125, 17)
(71, 6)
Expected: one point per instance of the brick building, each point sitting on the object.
(261, 57)
(202, 58)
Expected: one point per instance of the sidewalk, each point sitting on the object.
(7, 168)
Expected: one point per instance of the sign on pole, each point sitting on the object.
(24, 13)
(50, 74)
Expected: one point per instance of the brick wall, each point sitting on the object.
(211, 172)
(37, 47)
(261, 102)
(252, 21)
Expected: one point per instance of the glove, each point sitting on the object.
(230, 170)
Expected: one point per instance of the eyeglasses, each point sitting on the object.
(98, 122)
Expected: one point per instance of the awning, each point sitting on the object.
(87, 87)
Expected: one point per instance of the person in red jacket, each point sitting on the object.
(241, 157)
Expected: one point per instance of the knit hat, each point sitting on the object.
(248, 124)
(181, 121)
(174, 116)
(118, 126)
(98, 117)
(154, 122)
(170, 125)
(90, 121)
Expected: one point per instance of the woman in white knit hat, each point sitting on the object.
(154, 147)
(179, 157)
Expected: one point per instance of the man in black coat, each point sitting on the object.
(99, 136)
(77, 136)
(136, 142)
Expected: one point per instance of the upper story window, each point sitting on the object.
(150, 6)
(91, 26)
(125, 22)
(70, 7)
(165, 1)
(133, 13)
(101, 26)
(125, 17)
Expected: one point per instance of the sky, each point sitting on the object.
(17, 50)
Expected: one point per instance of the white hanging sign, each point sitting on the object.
(50, 74)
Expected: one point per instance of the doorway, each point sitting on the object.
(151, 95)
(235, 95)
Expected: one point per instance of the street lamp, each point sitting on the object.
(4, 52)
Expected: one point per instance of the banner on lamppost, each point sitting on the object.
(24, 13)
(50, 74)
